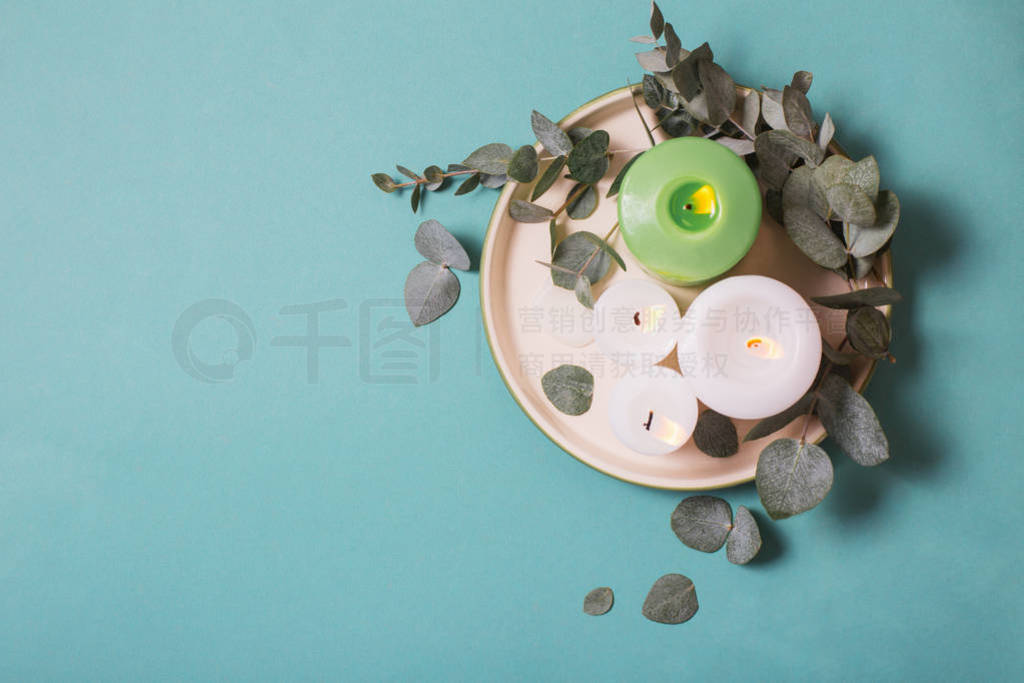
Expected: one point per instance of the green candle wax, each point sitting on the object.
(689, 210)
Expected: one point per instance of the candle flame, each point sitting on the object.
(650, 319)
(764, 347)
(703, 200)
(665, 430)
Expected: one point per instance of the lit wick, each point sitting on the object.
(650, 419)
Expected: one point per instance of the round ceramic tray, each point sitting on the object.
(523, 352)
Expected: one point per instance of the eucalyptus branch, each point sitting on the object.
(423, 181)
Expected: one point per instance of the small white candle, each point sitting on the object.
(750, 346)
(562, 316)
(636, 323)
(653, 412)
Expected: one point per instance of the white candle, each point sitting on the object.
(636, 323)
(750, 346)
(562, 316)
(653, 412)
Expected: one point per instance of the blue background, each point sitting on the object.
(156, 526)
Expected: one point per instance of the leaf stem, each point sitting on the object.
(814, 398)
(421, 181)
(570, 199)
(593, 254)
(636, 107)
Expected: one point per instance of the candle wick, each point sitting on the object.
(650, 419)
(636, 318)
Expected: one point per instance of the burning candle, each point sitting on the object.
(636, 323)
(750, 346)
(689, 210)
(654, 412)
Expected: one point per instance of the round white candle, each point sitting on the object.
(750, 346)
(562, 316)
(653, 412)
(636, 323)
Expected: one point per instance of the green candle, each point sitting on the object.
(689, 210)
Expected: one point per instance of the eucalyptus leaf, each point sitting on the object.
(469, 184)
(571, 253)
(584, 204)
(649, 40)
(523, 165)
(686, 74)
(802, 81)
(864, 174)
(869, 332)
(414, 199)
(872, 296)
(384, 182)
(671, 600)
(850, 421)
(577, 133)
(407, 173)
(797, 110)
(553, 234)
(452, 168)
(617, 183)
(745, 538)
(836, 357)
(430, 291)
(792, 477)
(832, 171)
(826, 132)
(719, 91)
(588, 161)
(653, 91)
(672, 46)
(850, 203)
(439, 246)
(583, 293)
(653, 60)
(570, 388)
(676, 123)
(748, 110)
(788, 142)
(801, 190)
(740, 147)
(702, 522)
(715, 434)
(434, 176)
(525, 212)
(770, 425)
(554, 139)
(814, 237)
(493, 180)
(598, 601)
(866, 240)
(657, 21)
(548, 178)
(771, 109)
(492, 159)
(605, 247)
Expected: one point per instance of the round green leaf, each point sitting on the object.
(814, 237)
(570, 388)
(584, 204)
(864, 174)
(745, 538)
(439, 246)
(702, 522)
(851, 204)
(850, 420)
(523, 165)
(869, 332)
(492, 159)
(715, 434)
(525, 212)
(598, 601)
(866, 240)
(801, 190)
(671, 600)
(430, 291)
(792, 477)
(832, 171)
(434, 176)
(571, 253)
(588, 161)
